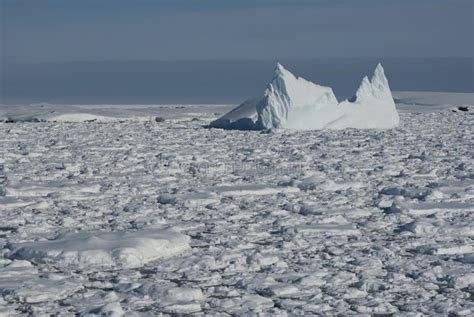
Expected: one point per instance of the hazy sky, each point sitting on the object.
(84, 30)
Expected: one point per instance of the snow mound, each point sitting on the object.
(291, 102)
(103, 250)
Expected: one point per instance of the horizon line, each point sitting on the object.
(270, 59)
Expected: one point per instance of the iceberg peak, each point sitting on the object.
(379, 80)
(279, 67)
(288, 97)
(377, 87)
(282, 72)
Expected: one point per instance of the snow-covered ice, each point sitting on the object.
(147, 218)
(44, 112)
(291, 102)
(103, 250)
(21, 281)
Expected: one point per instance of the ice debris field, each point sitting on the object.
(142, 211)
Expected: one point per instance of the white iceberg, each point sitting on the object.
(291, 102)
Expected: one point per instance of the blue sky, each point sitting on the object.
(98, 30)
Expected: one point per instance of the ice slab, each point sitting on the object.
(91, 251)
(328, 228)
(189, 199)
(429, 208)
(251, 189)
(20, 281)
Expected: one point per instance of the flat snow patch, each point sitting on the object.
(251, 189)
(91, 251)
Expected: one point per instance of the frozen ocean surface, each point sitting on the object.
(140, 210)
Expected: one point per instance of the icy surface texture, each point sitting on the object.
(291, 102)
(329, 222)
(103, 250)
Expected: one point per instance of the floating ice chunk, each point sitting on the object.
(246, 305)
(376, 307)
(458, 249)
(182, 300)
(320, 182)
(189, 199)
(412, 193)
(8, 203)
(315, 279)
(421, 227)
(461, 280)
(4, 309)
(281, 290)
(371, 285)
(291, 102)
(183, 308)
(32, 189)
(174, 300)
(319, 210)
(113, 309)
(328, 228)
(184, 294)
(428, 208)
(20, 281)
(91, 251)
(466, 258)
(251, 189)
(440, 250)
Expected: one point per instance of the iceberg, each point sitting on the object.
(291, 102)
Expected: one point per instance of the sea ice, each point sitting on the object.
(342, 222)
(91, 251)
(21, 281)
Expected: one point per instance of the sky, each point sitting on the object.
(97, 30)
(223, 51)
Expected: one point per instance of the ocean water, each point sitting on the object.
(214, 81)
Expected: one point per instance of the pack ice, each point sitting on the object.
(291, 102)
(166, 218)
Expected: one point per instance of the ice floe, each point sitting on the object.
(103, 250)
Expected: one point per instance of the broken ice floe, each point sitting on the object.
(21, 281)
(103, 250)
